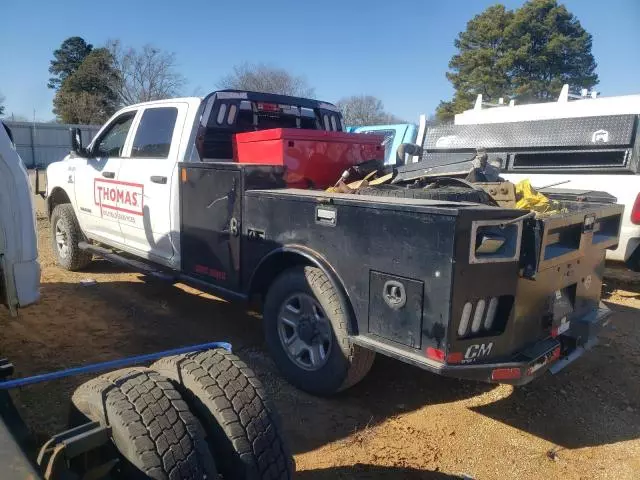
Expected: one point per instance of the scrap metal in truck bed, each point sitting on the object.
(401, 270)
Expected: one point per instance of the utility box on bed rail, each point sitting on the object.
(313, 158)
(427, 301)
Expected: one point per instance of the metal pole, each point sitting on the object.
(109, 365)
(32, 130)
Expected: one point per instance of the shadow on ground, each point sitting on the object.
(360, 471)
(594, 401)
(75, 325)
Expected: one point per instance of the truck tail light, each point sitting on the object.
(268, 107)
(635, 212)
(505, 374)
(454, 357)
(435, 354)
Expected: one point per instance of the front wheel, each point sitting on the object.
(307, 333)
(66, 235)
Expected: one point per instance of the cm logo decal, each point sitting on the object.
(478, 351)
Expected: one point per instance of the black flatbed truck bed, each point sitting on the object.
(405, 270)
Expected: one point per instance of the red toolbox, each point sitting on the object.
(313, 158)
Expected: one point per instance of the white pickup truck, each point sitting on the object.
(227, 194)
(19, 266)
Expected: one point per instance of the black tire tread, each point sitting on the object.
(347, 363)
(231, 403)
(151, 424)
(77, 259)
(360, 359)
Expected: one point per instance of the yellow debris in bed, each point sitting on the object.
(528, 198)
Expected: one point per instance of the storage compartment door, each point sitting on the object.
(395, 308)
(210, 225)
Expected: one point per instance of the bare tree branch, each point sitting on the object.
(146, 74)
(267, 79)
(359, 110)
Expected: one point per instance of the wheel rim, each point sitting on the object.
(305, 331)
(62, 240)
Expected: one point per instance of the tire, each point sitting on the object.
(151, 426)
(447, 193)
(64, 222)
(243, 431)
(345, 364)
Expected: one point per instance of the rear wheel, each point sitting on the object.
(151, 426)
(243, 432)
(66, 235)
(307, 333)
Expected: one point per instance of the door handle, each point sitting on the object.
(158, 179)
(109, 174)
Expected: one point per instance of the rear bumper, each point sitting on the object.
(551, 354)
(627, 244)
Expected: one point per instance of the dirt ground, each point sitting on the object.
(400, 422)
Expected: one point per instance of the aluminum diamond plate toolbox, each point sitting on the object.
(609, 131)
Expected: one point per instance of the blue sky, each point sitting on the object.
(397, 50)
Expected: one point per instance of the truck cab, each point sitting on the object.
(123, 186)
(19, 266)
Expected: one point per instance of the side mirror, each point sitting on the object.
(76, 143)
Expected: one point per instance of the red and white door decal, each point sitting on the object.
(123, 201)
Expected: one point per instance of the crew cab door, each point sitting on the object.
(152, 227)
(96, 180)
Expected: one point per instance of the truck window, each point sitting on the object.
(112, 141)
(153, 137)
(223, 118)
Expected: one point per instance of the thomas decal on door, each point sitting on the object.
(113, 196)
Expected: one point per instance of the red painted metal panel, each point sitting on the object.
(314, 158)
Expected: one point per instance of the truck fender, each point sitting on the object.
(57, 196)
(283, 258)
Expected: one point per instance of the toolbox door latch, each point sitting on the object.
(394, 294)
